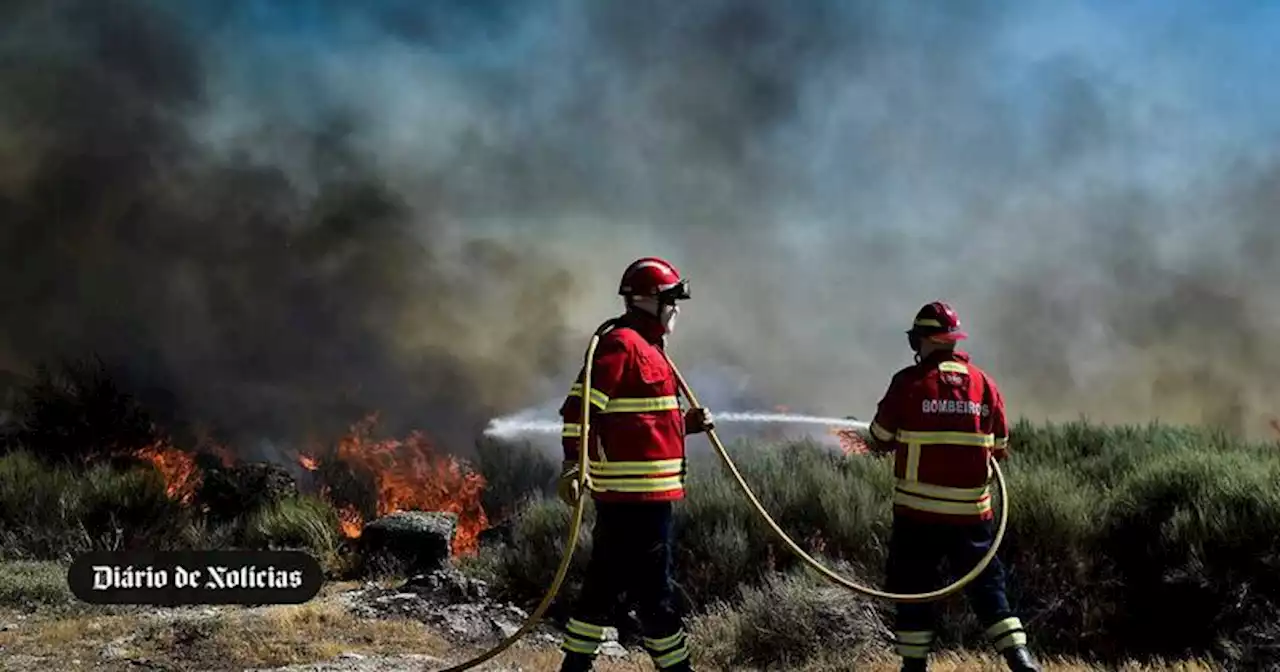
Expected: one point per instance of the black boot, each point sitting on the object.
(1020, 660)
(576, 662)
(915, 664)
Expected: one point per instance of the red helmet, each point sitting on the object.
(652, 276)
(937, 321)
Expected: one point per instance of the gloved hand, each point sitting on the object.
(567, 484)
(698, 420)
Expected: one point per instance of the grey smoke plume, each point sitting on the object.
(287, 216)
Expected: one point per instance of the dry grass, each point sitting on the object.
(968, 662)
(54, 636)
(322, 630)
(310, 632)
(242, 638)
(547, 658)
(62, 639)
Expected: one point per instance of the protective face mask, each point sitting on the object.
(668, 316)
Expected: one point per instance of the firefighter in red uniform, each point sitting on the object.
(943, 418)
(636, 467)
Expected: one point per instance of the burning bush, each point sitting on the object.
(367, 477)
(128, 478)
(177, 469)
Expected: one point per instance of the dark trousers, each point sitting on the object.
(630, 559)
(916, 550)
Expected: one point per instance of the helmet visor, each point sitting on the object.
(680, 292)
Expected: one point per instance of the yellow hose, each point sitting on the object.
(822, 569)
(579, 508)
(574, 527)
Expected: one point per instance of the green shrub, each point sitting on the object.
(130, 509)
(513, 473)
(1048, 552)
(825, 502)
(26, 584)
(305, 522)
(783, 623)
(38, 510)
(1199, 530)
(1108, 526)
(54, 512)
(524, 568)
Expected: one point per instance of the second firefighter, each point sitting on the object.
(944, 418)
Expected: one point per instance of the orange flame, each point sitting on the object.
(178, 468)
(410, 475)
(850, 441)
(351, 521)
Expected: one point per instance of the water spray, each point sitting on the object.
(510, 426)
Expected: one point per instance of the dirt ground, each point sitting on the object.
(324, 635)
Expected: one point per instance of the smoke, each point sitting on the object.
(279, 216)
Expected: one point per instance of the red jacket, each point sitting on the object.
(637, 426)
(944, 417)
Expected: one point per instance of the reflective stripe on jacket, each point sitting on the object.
(637, 425)
(945, 416)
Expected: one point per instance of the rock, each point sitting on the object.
(117, 649)
(410, 541)
(613, 649)
(507, 629)
(447, 600)
(351, 656)
(448, 585)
